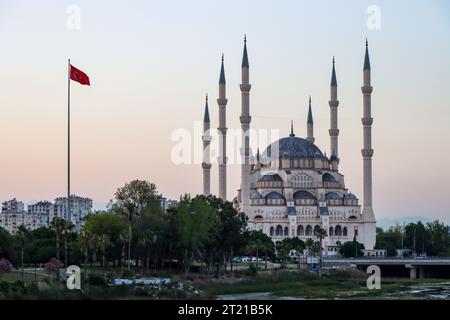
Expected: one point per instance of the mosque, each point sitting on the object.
(293, 188)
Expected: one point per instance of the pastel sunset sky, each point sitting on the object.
(152, 62)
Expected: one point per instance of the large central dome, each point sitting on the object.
(293, 147)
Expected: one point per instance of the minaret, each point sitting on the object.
(206, 164)
(310, 124)
(222, 130)
(334, 103)
(367, 151)
(245, 126)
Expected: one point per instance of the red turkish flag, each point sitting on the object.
(79, 76)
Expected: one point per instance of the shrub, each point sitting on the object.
(5, 266)
(4, 288)
(127, 273)
(252, 270)
(96, 279)
(52, 266)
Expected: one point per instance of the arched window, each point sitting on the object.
(316, 228)
(308, 231)
(344, 231)
(331, 233)
(272, 231)
(275, 198)
(301, 180)
(279, 231)
(338, 231)
(286, 231)
(300, 231)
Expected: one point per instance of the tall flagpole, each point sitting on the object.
(69, 213)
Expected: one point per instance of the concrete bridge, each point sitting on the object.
(415, 267)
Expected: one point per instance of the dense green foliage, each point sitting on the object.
(203, 233)
(431, 239)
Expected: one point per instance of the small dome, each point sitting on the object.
(333, 157)
(256, 195)
(332, 196)
(274, 195)
(328, 177)
(303, 195)
(271, 177)
(350, 196)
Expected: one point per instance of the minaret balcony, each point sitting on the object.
(367, 121)
(367, 153)
(222, 101)
(245, 119)
(367, 89)
(334, 132)
(245, 87)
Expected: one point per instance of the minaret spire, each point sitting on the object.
(367, 151)
(310, 124)
(366, 57)
(222, 131)
(245, 120)
(292, 134)
(222, 72)
(334, 103)
(333, 76)
(206, 164)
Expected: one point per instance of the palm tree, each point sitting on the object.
(56, 226)
(84, 245)
(144, 244)
(66, 230)
(129, 211)
(22, 236)
(321, 234)
(104, 243)
(309, 244)
(93, 245)
(123, 239)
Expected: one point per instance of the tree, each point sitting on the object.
(321, 234)
(349, 248)
(93, 244)
(131, 200)
(388, 240)
(83, 239)
(194, 220)
(439, 238)
(123, 240)
(283, 249)
(5, 266)
(229, 237)
(309, 244)
(104, 243)
(145, 242)
(66, 231)
(57, 225)
(21, 235)
(259, 242)
(6, 245)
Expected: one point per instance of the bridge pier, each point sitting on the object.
(413, 273)
(422, 273)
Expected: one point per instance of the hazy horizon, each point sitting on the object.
(151, 63)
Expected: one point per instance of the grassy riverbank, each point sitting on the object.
(306, 285)
(298, 284)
